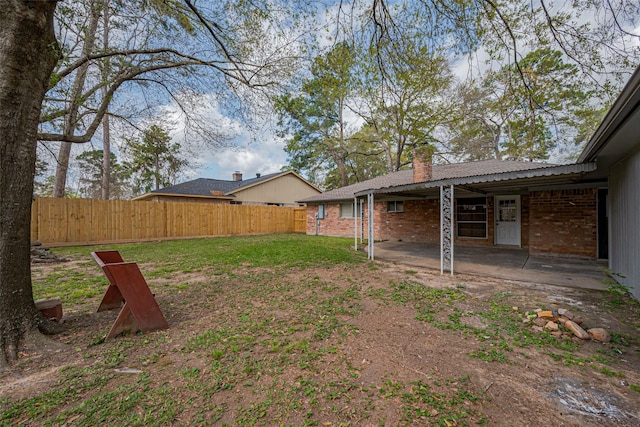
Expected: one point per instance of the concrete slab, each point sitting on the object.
(500, 262)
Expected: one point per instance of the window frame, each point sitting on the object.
(395, 206)
(342, 215)
(471, 201)
(322, 211)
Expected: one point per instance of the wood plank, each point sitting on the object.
(139, 299)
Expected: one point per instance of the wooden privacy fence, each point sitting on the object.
(300, 220)
(57, 221)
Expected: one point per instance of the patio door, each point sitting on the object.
(507, 216)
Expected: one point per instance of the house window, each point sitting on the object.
(395, 206)
(320, 211)
(346, 210)
(235, 202)
(471, 215)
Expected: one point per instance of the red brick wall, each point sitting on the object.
(559, 222)
(420, 221)
(332, 224)
(422, 164)
(563, 222)
(525, 228)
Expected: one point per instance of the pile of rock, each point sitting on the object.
(40, 254)
(563, 322)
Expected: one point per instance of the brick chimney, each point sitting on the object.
(422, 163)
(237, 176)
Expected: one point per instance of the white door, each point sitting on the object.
(507, 216)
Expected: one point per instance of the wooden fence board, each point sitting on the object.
(57, 221)
(300, 220)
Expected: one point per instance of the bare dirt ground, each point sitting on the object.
(386, 357)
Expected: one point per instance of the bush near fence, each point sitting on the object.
(63, 222)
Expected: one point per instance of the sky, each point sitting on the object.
(252, 153)
(249, 151)
(263, 156)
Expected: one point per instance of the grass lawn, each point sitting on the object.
(169, 259)
(302, 330)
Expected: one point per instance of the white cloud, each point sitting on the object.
(219, 145)
(263, 156)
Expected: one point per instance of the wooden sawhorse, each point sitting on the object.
(140, 311)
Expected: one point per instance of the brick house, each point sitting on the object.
(543, 207)
(590, 209)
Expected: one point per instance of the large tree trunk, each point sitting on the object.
(106, 157)
(28, 53)
(106, 131)
(62, 169)
(71, 118)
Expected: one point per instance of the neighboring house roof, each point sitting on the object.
(204, 186)
(397, 181)
(216, 188)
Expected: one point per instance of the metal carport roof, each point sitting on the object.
(496, 183)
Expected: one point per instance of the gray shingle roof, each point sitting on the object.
(204, 186)
(440, 172)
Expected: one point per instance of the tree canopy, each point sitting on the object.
(316, 119)
(156, 162)
(91, 178)
(125, 59)
(547, 110)
(474, 79)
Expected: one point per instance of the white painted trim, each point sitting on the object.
(371, 236)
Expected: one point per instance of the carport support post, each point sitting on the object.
(370, 236)
(361, 221)
(355, 223)
(446, 229)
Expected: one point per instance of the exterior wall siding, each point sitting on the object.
(284, 189)
(563, 222)
(624, 222)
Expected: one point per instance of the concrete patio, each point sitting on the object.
(500, 262)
